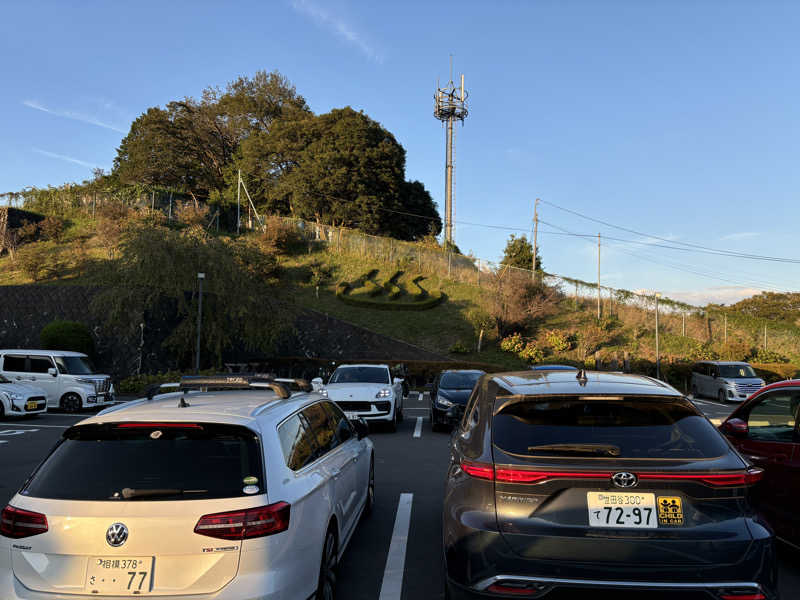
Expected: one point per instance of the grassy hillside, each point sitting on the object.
(568, 333)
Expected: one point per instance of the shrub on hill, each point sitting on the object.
(67, 335)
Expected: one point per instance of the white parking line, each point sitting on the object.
(418, 428)
(392, 586)
(37, 426)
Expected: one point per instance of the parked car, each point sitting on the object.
(17, 400)
(724, 380)
(366, 391)
(236, 494)
(765, 431)
(450, 387)
(68, 379)
(602, 482)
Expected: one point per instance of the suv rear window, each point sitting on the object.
(150, 461)
(627, 428)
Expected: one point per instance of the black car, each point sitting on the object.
(450, 388)
(603, 484)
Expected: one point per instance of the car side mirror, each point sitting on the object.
(317, 383)
(361, 427)
(735, 428)
(51, 371)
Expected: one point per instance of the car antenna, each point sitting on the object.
(182, 403)
(581, 377)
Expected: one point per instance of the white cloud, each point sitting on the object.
(75, 116)
(337, 26)
(717, 295)
(742, 235)
(63, 157)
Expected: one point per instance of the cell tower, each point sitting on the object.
(450, 105)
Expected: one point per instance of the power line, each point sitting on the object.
(696, 246)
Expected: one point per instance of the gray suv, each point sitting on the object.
(725, 380)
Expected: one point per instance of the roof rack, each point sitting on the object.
(238, 381)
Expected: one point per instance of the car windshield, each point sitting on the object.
(140, 461)
(737, 371)
(628, 428)
(459, 381)
(74, 365)
(360, 375)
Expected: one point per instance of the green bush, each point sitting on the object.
(67, 335)
(459, 348)
(558, 340)
(768, 356)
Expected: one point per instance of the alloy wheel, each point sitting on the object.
(327, 572)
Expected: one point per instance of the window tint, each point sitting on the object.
(297, 443)
(459, 381)
(323, 428)
(629, 428)
(737, 371)
(75, 365)
(181, 463)
(773, 419)
(361, 375)
(15, 364)
(344, 431)
(40, 364)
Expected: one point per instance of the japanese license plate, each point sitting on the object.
(119, 576)
(31, 405)
(622, 510)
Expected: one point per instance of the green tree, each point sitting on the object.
(340, 168)
(519, 253)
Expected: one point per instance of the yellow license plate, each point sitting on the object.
(31, 405)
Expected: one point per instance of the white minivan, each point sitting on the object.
(68, 378)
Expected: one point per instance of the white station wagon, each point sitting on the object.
(238, 494)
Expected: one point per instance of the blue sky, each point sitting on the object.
(676, 119)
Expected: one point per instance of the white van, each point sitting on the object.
(67, 378)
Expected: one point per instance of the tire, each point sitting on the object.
(400, 415)
(370, 504)
(326, 584)
(2, 410)
(71, 402)
(393, 423)
(721, 397)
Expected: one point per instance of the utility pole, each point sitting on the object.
(598, 276)
(765, 337)
(658, 356)
(535, 236)
(200, 278)
(238, 204)
(725, 334)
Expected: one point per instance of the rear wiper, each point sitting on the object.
(590, 449)
(130, 493)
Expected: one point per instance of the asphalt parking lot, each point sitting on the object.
(395, 554)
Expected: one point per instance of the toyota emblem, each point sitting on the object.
(117, 535)
(624, 480)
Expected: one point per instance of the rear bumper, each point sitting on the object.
(542, 587)
(477, 556)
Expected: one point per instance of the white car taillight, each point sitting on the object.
(18, 523)
(245, 524)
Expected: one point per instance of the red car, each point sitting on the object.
(764, 429)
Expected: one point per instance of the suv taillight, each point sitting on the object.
(17, 523)
(245, 524)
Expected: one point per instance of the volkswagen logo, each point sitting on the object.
(624, 480)
(117, 535)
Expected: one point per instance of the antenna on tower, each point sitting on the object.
(450, 105)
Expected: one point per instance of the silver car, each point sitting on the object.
(724, 380)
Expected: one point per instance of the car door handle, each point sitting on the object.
(355, 458)
(758, 458)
